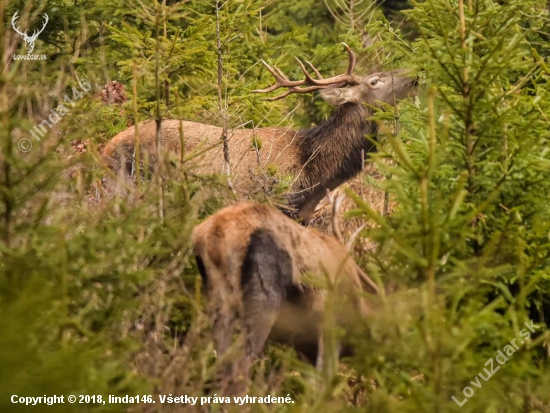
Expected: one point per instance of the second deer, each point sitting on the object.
(254, 262)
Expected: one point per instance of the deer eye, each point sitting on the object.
(374, 82)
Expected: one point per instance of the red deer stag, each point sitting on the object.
(320, 158)
(253, 260)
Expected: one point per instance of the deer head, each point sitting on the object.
(381, 87)
(29, 39)
(385, 87)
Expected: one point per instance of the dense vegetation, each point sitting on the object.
(99, 292)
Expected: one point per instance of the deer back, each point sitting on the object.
(250, 150)
(223, 241)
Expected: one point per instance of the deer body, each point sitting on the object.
(277, 147)
(253, 260)
(320, 158)
(307, 155)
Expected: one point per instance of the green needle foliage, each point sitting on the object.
(470, 229)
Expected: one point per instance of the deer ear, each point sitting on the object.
(339, 96)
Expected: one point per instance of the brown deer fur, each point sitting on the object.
(320, 158)
(253, 260)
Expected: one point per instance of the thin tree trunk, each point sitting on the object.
(160, 161)
(222, 111)
(137, 148)
(166, 83)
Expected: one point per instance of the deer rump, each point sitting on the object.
(318, 159)
(253, 260)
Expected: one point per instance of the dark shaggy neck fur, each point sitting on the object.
(331, 153)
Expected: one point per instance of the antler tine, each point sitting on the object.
(280, 80)
(283, 95)
(351, 239)
(352, 60)
(346, 77)
(336, 203)
(294, 89)
(309, 80)
(319, 76)
(281, 73)
(272, 87)
(367, 280)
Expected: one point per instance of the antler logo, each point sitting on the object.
(29, 39)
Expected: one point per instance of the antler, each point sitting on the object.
(336, 203)
(13, 19)
(311, 84)
(37, 32)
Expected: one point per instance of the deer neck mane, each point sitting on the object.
(333, 149)
(330, 154)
